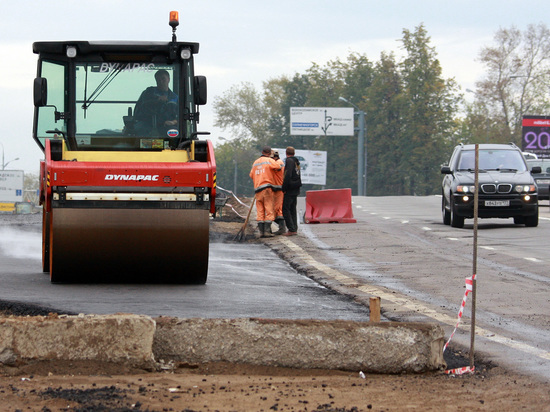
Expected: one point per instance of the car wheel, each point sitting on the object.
(532, 221)
(444, 212)
(456, 221)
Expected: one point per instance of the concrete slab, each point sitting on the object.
(119, 338)
(386, 347)
(382, 347)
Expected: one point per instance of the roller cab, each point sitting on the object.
(128, 185)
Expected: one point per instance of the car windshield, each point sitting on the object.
(504, 160)
(544, 165)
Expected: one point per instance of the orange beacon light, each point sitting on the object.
(174, 19)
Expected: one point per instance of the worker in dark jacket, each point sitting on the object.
(292, 182)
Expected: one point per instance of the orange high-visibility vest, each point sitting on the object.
(279, 175)
(263, 172)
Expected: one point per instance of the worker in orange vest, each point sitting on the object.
(278, 194)
(263, 175)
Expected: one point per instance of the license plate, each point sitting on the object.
(544, 181)
(497, 203)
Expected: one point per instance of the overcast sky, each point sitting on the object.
(244, 40)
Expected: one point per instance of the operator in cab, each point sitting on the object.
(157, 107)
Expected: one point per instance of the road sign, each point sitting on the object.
(11, 185)
(321, 121)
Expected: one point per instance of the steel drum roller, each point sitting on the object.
(142, 245)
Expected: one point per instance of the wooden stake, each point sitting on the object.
(374, 306)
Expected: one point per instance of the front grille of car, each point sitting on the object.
(489, 188)
(504, 188)
(492, 188)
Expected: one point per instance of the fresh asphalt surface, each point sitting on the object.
(245, 280)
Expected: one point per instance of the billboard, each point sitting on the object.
(313, 165)
(321, 121)
(11, 185)
(536, 135)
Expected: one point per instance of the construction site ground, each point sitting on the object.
(95, 386)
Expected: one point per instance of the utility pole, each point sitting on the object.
(361, 150)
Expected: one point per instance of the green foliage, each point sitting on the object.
(515, 84)
(413, 114)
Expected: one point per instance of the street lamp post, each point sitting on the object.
(9, 161)
(361, 150)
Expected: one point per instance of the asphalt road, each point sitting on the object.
(245, 280)
(400, 250)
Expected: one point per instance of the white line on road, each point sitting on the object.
(533, 259)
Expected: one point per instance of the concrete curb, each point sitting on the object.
(386, 347)
(110, 338)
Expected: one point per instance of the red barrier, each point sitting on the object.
(329, 206)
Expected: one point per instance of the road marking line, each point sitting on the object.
(387, 217)
(533, 259)
(404, 221)
(452, 238)
(487, 247)
(426, 228)
(410, 304)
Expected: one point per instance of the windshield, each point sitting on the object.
(118, 106)
(505, 160)
(544, 165)
(128, 101)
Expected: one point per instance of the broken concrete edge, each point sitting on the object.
(144, 342)
(117, 338)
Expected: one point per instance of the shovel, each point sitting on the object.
(242, 232)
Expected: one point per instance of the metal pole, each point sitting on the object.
(474, 265)
(235, 178)
(361, 152)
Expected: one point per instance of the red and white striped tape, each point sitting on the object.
(461, 371)
(469, 287)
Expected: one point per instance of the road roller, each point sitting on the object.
(128, 183)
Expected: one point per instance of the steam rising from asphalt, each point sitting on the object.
(20, 244)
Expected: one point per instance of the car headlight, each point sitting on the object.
(465, 189)
(525, 188)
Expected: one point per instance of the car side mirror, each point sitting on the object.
(536, 169)
(40, 92)
(199, 89)
(445, 170)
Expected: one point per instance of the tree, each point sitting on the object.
(430, 105)
(410, 111)
(517, 80)
(242, 110)
(31, 184)
(384, 109)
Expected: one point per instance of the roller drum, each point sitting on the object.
(129, 245)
